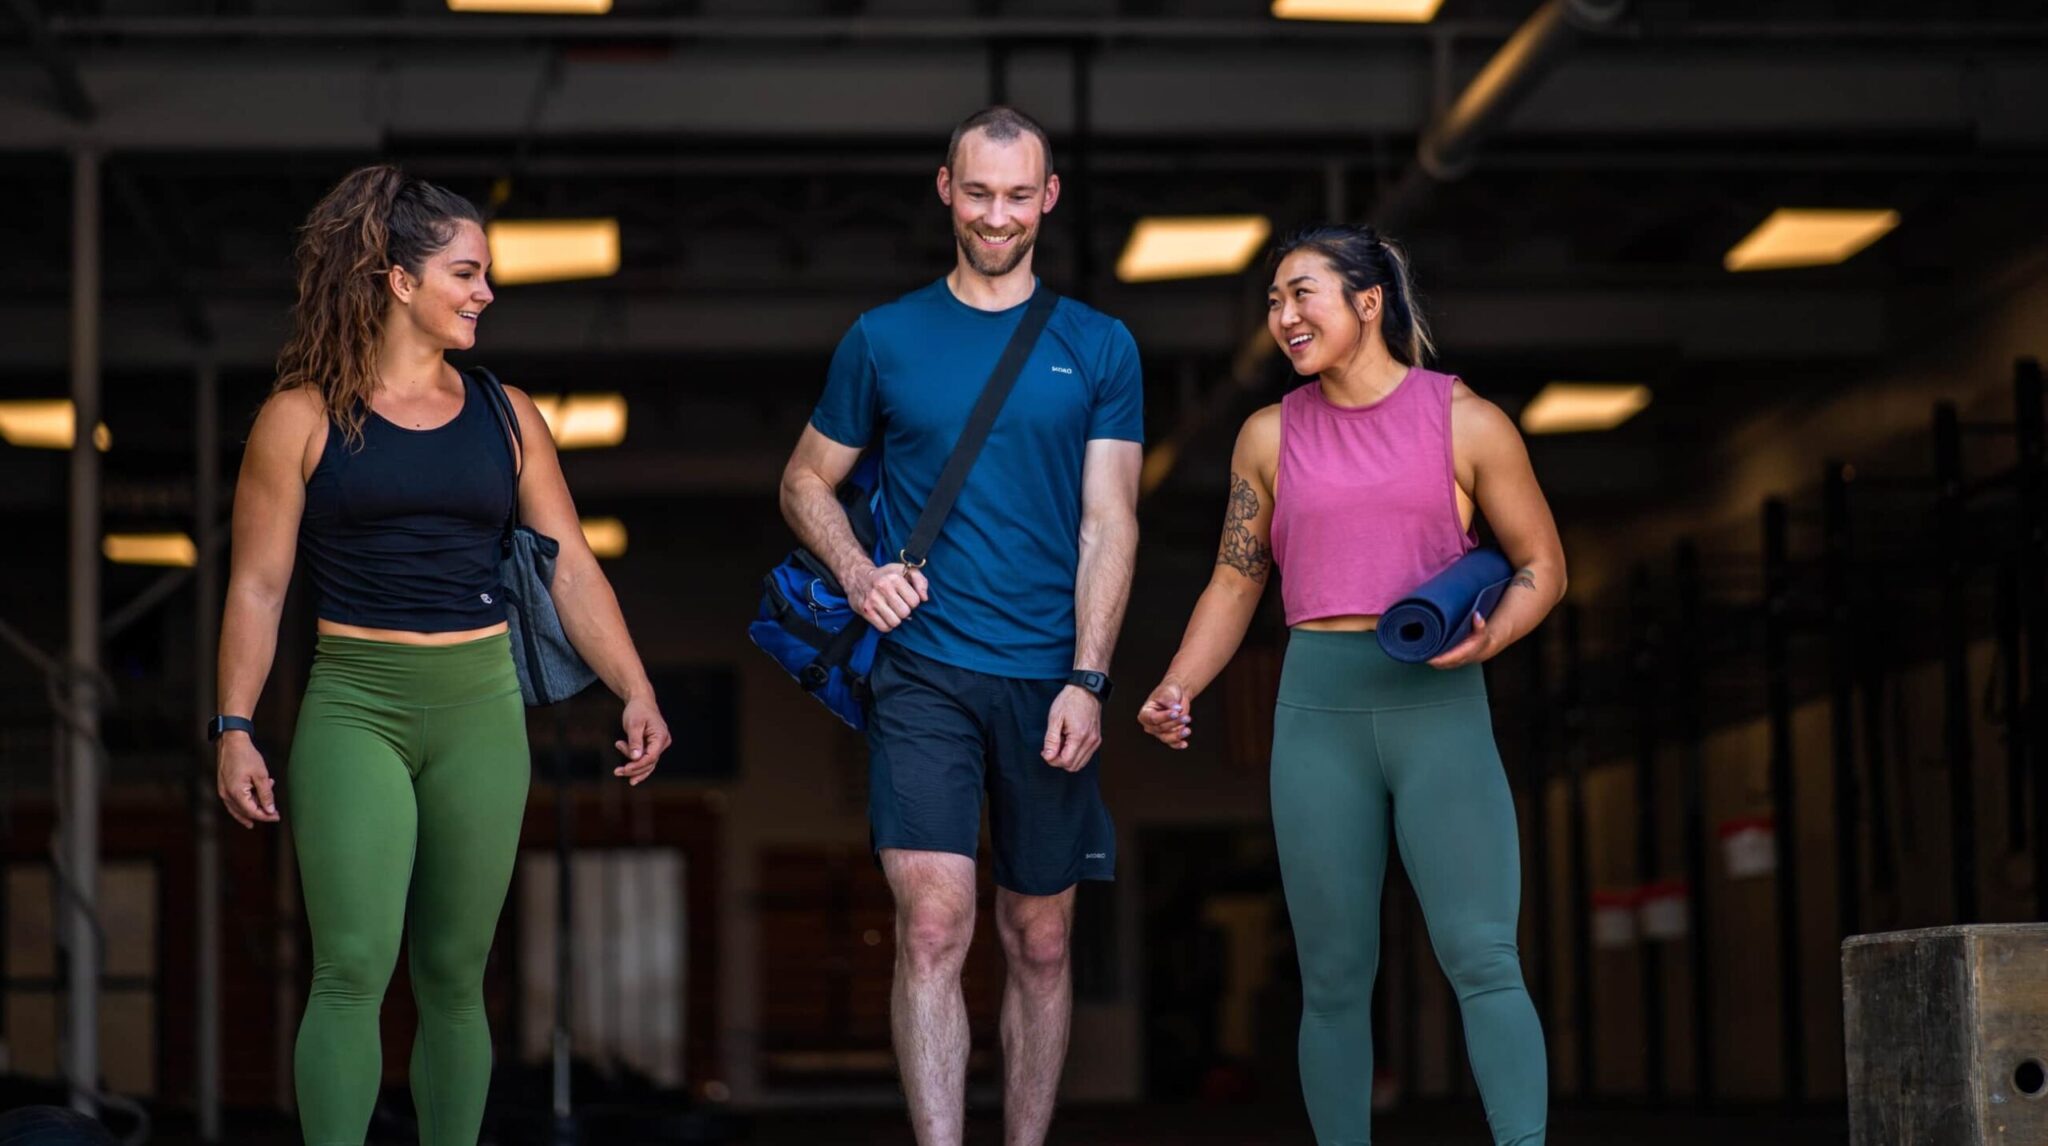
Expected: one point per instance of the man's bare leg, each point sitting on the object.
(927, 1013)
(1038, 997)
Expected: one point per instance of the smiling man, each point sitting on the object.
(993, 668)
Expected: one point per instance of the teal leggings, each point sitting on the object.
(1361, 744)
(406, 792)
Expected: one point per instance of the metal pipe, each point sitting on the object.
(890, 159)
(1784, 799)
(2030, 435)
(850, 29)
(81, 782)
(565, 934)
(1538, 643)
(1575, 751)
(1870, 684)
(1951, 546)
(1083, 144)
(1451, 141)
(1447, 147)
(1649, 852)
(1838, 557)
(1692, 738)
(873, 30)
(2009, 674)
(998, 74)
(206, 806)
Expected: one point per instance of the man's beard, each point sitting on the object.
(1003, 261)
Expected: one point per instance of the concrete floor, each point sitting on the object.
(1430, 1125)
(1238, 1126)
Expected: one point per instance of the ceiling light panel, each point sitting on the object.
(172, 549)
(1809, 237)
(1359, 11)
(605, 535)
(45, 424)
(534, 7)
(1194, 246)
(1582, 407)
(553, 250)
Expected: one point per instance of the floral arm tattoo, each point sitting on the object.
(1241, 549)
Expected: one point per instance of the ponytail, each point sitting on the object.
(1363, 259)
(374, 219)
(1405, 328)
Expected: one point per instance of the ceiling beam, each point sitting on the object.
(71, 93)
(991, 26)
(842, 27)
(334, 99)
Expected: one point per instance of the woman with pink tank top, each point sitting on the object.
(1358, 487)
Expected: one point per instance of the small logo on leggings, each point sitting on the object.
(1096, 856)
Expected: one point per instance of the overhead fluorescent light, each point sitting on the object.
(1808, 237)
(45, 424)
(1579, 407)
(534, 7)
(1191, 246)
(174, 549)
(1374, 11)
(553, 250)
(583, 421)
(605, 535)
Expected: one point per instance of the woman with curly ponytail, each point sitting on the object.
(1362, 485)
(395, 474)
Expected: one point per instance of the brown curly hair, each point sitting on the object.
(374, 219)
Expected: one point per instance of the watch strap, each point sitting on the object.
(222, 725)
(1094, 682)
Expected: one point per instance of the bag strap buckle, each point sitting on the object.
(903, 555)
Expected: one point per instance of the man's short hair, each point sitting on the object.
(1002, 125)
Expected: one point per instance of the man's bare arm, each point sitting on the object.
(884, 595)
(1109, 548)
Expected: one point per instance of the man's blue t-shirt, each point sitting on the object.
(1002, 571)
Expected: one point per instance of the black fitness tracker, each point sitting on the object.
(221, 725)
(1096, 683)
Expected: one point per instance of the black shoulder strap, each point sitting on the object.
(501, 405)
(983, 419)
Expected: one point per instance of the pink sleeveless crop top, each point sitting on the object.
(1365, 498)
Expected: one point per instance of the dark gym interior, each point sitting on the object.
(1795, 694)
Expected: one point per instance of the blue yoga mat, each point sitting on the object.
(1438, 614)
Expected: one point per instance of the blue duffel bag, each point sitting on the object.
(805, 621)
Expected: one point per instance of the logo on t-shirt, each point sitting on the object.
(1062, 370)
(486, 597)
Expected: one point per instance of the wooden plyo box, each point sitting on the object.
(1946, 1032)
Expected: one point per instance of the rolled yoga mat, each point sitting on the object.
(1438, 614)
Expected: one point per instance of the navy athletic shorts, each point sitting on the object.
(940, 736)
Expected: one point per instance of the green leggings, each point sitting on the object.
(1362, 742)
(406, 792)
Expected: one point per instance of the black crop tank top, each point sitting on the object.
(404, 531)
